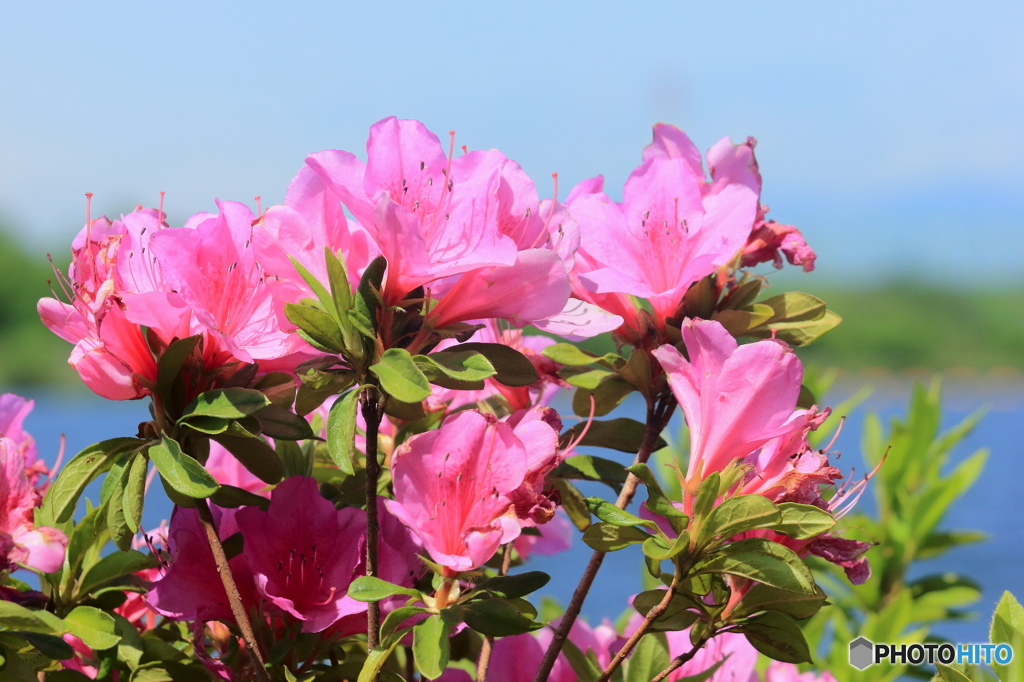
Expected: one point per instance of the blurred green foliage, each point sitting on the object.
(29, 353)
(906, 325)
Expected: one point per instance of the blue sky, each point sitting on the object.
(890, 132)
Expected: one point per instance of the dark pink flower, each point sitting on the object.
(303, 553)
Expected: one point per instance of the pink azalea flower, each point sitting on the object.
(190, 587)
(210, 264)
(735, 398)
(770, 241)
(537, 429)
(21, 541)
(110, 353)
(227, 470)
(303, 553)
(555, 537)
(672, 228)
(463, 227)
(452, 488)
(738, 667)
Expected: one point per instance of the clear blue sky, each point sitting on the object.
(891, 132)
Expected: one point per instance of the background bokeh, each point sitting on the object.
(888, 132)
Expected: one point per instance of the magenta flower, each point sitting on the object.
(191, 588)
(21, 541)
(787, 672)
(555, 537)
(735, 398)
(537, 429)
(672, 227)
(303, 553)
(452, 488)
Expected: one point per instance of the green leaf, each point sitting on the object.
(230, 497)
(367, 299)
(184, 474)
(368, 588)
(430, 646)
(135, 492)
(589, 468)
(622, 434)
(456, 364)
(317, 326)
(16, 617)
(678, 615)
(763, 561)
(319, 290)
(569, 355)
(584, 665)
(512, 367)
(227, 403)
(648, 659)
(337, 276)
(706, 496)
(799, 605)
(255, 455)
(800, 333)
(113, 566)
(341, 431)
(80, 472)
(657, 501)
(609, 513)
(606, 537)
(803, 521)
(50, 646)
(282, 424)
(93, 626)
(607, 396)
(950, 674)
(777, 636)
(171, 360)
(498, 618)
(513, 586)
(795, 306)
(112, 493)
(376, 658)
(398, 616)
(589, 379)
(573, 503)
(739, 322)
(1008, 628)
(400, 377)
(208, 425)
(736, 515)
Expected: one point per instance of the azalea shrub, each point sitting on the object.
(351, 398)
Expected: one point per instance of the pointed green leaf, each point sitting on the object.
(609, 513)
(512, 367)
(777, 636)
(590, 468)
(400, 377)
(606, 537)
(569, 355)
(799, 605)
(226, 403)
(622, 434)
(341, 431)
(255, 455)
(648, 659)
(282, 424)
(803, 521)
(430, 646)
(183, 473)
(135, 491)
(498, 618)
(453, 363)
(736, 515)
(513, 586)
(113, 566)
(80, 472)
(368, 588)
(93, 626)
(763, 561)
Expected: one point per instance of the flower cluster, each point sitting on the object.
(359, 436)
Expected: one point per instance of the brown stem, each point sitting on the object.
(658, 413)
(681, 659)
(234, 598)
(645, 626)
(488, 647)
(372, 416)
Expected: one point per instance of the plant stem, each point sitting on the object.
(488, 647)
(679, 660)
(372, 416)
(659, 410)
(644, 628)
(234, 598)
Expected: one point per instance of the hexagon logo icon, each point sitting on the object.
(862, 653)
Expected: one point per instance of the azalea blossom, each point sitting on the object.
(672, 228)
(740, 407)
(453, 485)
(449, 224)
(21, 541)
(303, 553)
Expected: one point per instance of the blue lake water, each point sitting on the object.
(993, 505)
